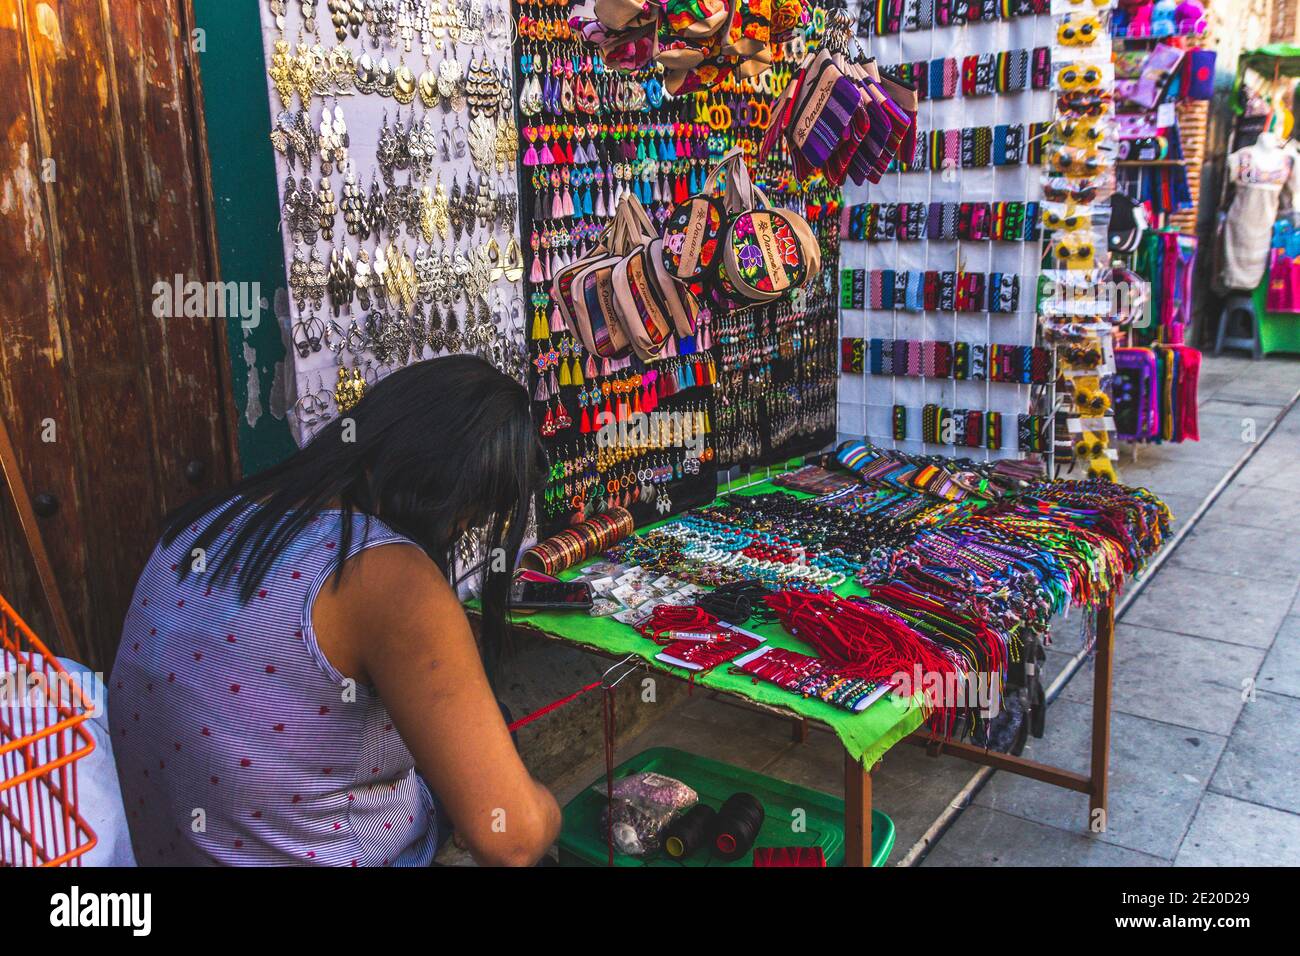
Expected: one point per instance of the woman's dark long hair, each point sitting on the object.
(433, 449)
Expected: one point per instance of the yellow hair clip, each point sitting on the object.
(1079, 76)
(1078, 30)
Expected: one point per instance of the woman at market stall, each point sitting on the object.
(297, 681)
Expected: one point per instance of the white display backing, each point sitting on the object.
(866, 401)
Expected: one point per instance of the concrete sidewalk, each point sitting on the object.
(1205, 765)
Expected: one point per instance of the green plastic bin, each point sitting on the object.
(582, 841)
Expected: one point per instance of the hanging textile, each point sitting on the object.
(1166, 259)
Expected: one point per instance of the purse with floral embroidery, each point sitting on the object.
(767, 252)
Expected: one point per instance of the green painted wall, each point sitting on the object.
(246, 200)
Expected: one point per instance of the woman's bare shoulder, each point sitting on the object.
(385, 601)
(385, 579)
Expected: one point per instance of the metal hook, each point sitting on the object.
(631, 662)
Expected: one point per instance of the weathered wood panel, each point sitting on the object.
(169, 237)
(106, 113)
(33, 352)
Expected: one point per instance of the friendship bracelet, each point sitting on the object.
(1009, 221)
(942, 291)
(962, 361)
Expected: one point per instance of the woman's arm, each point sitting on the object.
(396, 623)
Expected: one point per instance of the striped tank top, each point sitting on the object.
(237, 742)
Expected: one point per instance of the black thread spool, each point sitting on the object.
(737, 602)
(737, 826)
(731, 608)
(690, 831)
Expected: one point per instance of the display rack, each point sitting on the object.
(870, 402)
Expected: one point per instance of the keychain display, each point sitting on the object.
(674, 275)
(621, 374)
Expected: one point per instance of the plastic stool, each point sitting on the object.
(1238, 304)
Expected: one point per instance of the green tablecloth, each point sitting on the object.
(866, 735)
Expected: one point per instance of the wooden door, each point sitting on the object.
(117, 415)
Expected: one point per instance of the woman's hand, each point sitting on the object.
(395, 620)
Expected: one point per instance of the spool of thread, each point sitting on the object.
(737, 826)
(690, 832)
(584, 540)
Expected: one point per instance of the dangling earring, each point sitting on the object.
(513, 267)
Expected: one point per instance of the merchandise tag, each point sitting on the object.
(1079, 425)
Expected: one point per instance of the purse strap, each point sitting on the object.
(717, 173)
(631, 228)
(742, 195)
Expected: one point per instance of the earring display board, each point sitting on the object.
(777, 364)
(619, 432)
(748, 386)
(394, 128)
(941, 259)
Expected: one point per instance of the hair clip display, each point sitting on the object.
(921, 221)
(1078, 177)
(900, 423)
(975, 147)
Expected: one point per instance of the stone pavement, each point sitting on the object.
(1205, 762)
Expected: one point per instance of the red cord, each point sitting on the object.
(860, 641)
(554, 705)
(609, 771)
